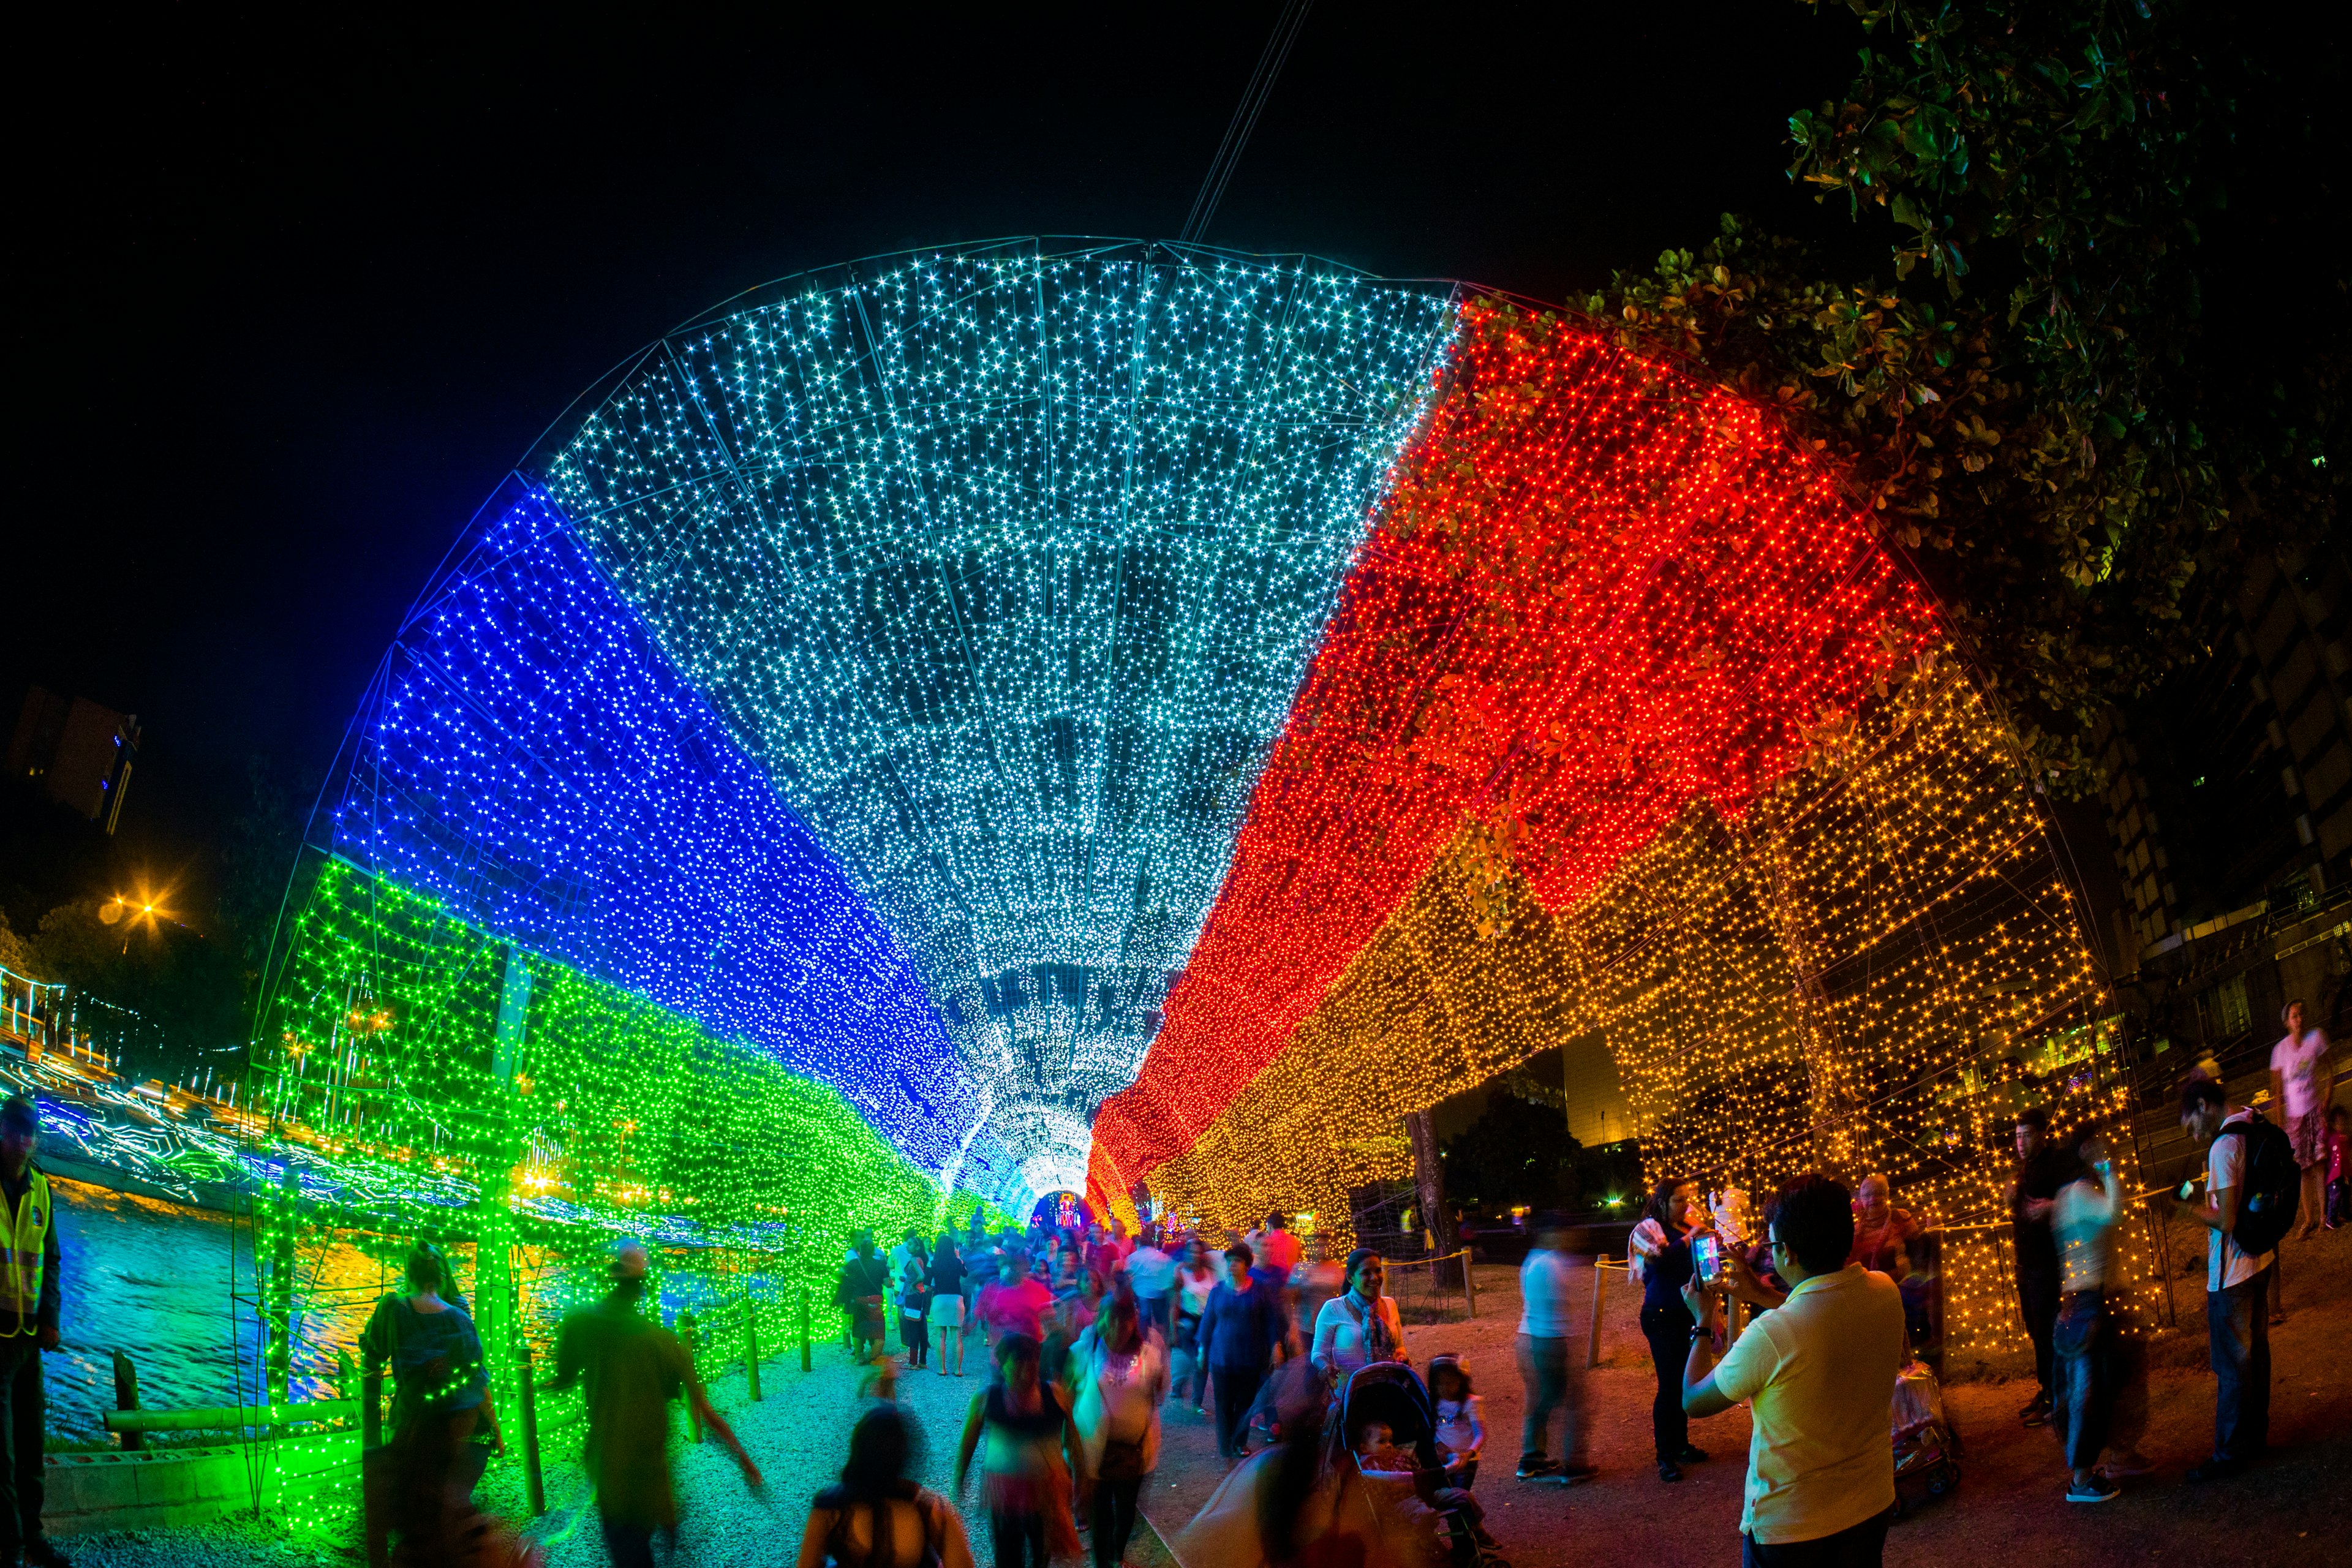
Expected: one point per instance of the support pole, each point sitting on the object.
(1469, 1284)
(689, 1334)
(751, 1347)
(126, 1397)
(534, 1481)
(278, 1294)
(804, 1330)
(1600, 1301)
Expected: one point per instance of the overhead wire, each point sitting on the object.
(1244, 121)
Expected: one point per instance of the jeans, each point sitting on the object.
(1544, 1370)
(1856, 1546)
(628, 1545)
(2037, 1299)
(1667, 1327)
(2238, 1330)
(1237, 1389)
(22, 1426)
(2085, 1391)
(1114, 1518)
(1018, 1539)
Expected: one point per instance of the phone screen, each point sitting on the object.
(1708, 1253)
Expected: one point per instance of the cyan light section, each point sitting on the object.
(1007, 564)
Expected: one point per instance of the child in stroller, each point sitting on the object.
(1384, 1432)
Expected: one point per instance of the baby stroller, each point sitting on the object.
(1393, 1395)
(1927, 1448)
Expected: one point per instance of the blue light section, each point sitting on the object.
(528, 756)
(1007, 564)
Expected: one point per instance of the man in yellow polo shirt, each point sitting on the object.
(28, 1325)
(1819, 1370)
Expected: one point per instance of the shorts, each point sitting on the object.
(2308, 1133)
(947, 1312)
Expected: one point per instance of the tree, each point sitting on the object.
(2073, 458)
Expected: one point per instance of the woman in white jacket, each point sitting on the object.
(1121, 1381)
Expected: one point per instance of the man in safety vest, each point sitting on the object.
(28, 1325)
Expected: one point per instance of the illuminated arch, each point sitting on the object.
(1137, 717)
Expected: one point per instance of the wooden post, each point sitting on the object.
(126, 1397)
(1600, 1301)
(534, 1481)
(805, 1329)
(751, 1347)
(1469, 1284)
(689, 1334)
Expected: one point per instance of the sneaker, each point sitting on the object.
(1579, 1472)
(1535, 1466)
(1667, 1471)
(2039, 1401)
(2036, 1414)
(2098, 1489)
(1691, 1456)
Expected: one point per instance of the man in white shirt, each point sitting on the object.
(2301, 1086)
(1819, 1373)
(2236, 1327)
(1554, 1381)
(1152, 1275)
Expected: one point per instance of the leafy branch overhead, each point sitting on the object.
(2035, 407)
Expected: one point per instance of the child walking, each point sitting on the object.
(1459, 1428)
(1016, 1425)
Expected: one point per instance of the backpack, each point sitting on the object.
(2271, 1189)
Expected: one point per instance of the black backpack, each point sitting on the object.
(2271, 1190)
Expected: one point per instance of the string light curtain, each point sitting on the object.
(1004, 564)
(1626, 726)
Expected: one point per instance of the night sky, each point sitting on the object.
(292, 297)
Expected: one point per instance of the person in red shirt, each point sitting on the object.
(1275, 1246)
(1017, 1303)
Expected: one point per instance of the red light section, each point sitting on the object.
(1601, 590)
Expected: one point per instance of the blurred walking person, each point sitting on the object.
(629, 1369)
(1241, 1325)
(1554, 1383)
(877, 1517)
(2100, 1398)
(1119, 1386)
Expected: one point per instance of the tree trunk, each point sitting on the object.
(1429, 1186)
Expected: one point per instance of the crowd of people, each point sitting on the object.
(1340, 1448)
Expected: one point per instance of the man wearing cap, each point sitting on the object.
(28, 1325)
(632, 1367)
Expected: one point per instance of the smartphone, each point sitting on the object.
(1707, 1254)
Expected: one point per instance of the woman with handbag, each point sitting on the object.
(1121, 1385)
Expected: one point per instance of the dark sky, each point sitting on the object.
(292, 296)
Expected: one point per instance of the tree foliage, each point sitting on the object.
(2036, 406)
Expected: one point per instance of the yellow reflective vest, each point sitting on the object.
(21, 1266)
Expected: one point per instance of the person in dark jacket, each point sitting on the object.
(28, 1325)
(1239, 1329)
(2043, 1167)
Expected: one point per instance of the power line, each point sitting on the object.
(1244, 121)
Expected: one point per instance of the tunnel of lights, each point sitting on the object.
(1139, 720)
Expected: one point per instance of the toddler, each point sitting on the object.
(2335, 1152)
(1460, 1432)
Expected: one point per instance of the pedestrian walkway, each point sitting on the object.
(799, 1434)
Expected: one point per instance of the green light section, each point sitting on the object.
(389, 1057)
